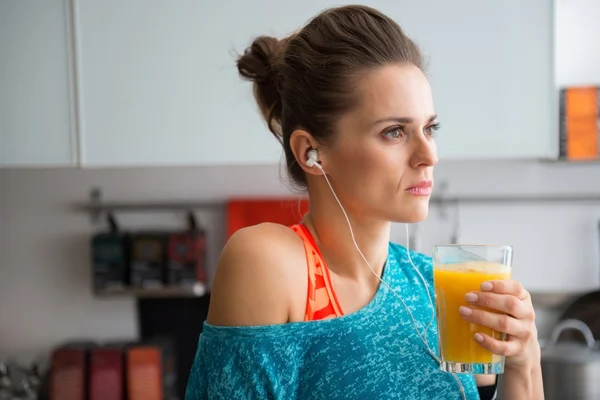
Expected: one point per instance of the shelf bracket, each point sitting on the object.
(96, 201)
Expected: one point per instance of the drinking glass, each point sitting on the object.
(458, 270)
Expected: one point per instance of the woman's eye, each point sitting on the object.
(431, 129)
(395, 133)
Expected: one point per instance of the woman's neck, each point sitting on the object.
(330, 229)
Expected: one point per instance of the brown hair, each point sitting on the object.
(303, 81)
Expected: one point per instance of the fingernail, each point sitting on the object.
(486, 286)
(471, 297)
(466, 311)
(478, 338)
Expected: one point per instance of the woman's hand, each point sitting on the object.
(514, 316)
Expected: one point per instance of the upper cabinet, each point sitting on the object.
(159, 85)
(35, 107)
(577, 56)
(155, 82)
(490, 67)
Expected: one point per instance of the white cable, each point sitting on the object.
(424, 336)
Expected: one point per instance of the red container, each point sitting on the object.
(68, 375)
(107, 374)
(247, 212)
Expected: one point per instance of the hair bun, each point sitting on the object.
(259, 61)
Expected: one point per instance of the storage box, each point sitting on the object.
(148, 259)
(580, 123)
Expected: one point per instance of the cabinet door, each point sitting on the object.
(35, 117)
(160, 84)
(577, 32)
(490, 67)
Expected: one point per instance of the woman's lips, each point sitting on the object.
(422, 188)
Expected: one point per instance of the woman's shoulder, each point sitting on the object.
(260, 235)
(253, 276)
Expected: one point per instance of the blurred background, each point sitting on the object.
(130, 150)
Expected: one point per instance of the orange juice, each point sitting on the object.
(452, 282)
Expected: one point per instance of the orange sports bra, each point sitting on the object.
(321, 303)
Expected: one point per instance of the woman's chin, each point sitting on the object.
(411, 215)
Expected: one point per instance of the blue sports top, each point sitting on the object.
(374, 353)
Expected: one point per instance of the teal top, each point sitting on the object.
(374, 353)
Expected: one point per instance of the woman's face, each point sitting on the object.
(381, 160)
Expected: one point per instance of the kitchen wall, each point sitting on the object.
(45, 278)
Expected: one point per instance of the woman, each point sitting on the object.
(347, 98)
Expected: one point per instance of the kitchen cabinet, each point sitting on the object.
(159, 84)
(577, 57)
(490, 66)
(35, 107)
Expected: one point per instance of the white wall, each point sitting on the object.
(45, 280)
(44, 255)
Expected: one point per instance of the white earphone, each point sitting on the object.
(313, 161)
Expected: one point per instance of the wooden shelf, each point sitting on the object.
(197, 290)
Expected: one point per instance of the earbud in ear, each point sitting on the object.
(313, 158)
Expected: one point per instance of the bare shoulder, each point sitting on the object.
(253, 277)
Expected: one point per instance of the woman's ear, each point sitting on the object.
(301, 142)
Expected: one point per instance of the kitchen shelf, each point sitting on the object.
(537, 198)
(167, 206)
(197, 290)
(98, 208)
(573, 162)
(145, 206)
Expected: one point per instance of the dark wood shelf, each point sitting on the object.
(197, 290)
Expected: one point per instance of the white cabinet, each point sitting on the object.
(160, 86)
(35, 108)
(491, 73)
(577, 30)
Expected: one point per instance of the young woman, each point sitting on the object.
(300, 312)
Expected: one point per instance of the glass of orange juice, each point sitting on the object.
(458, 270)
